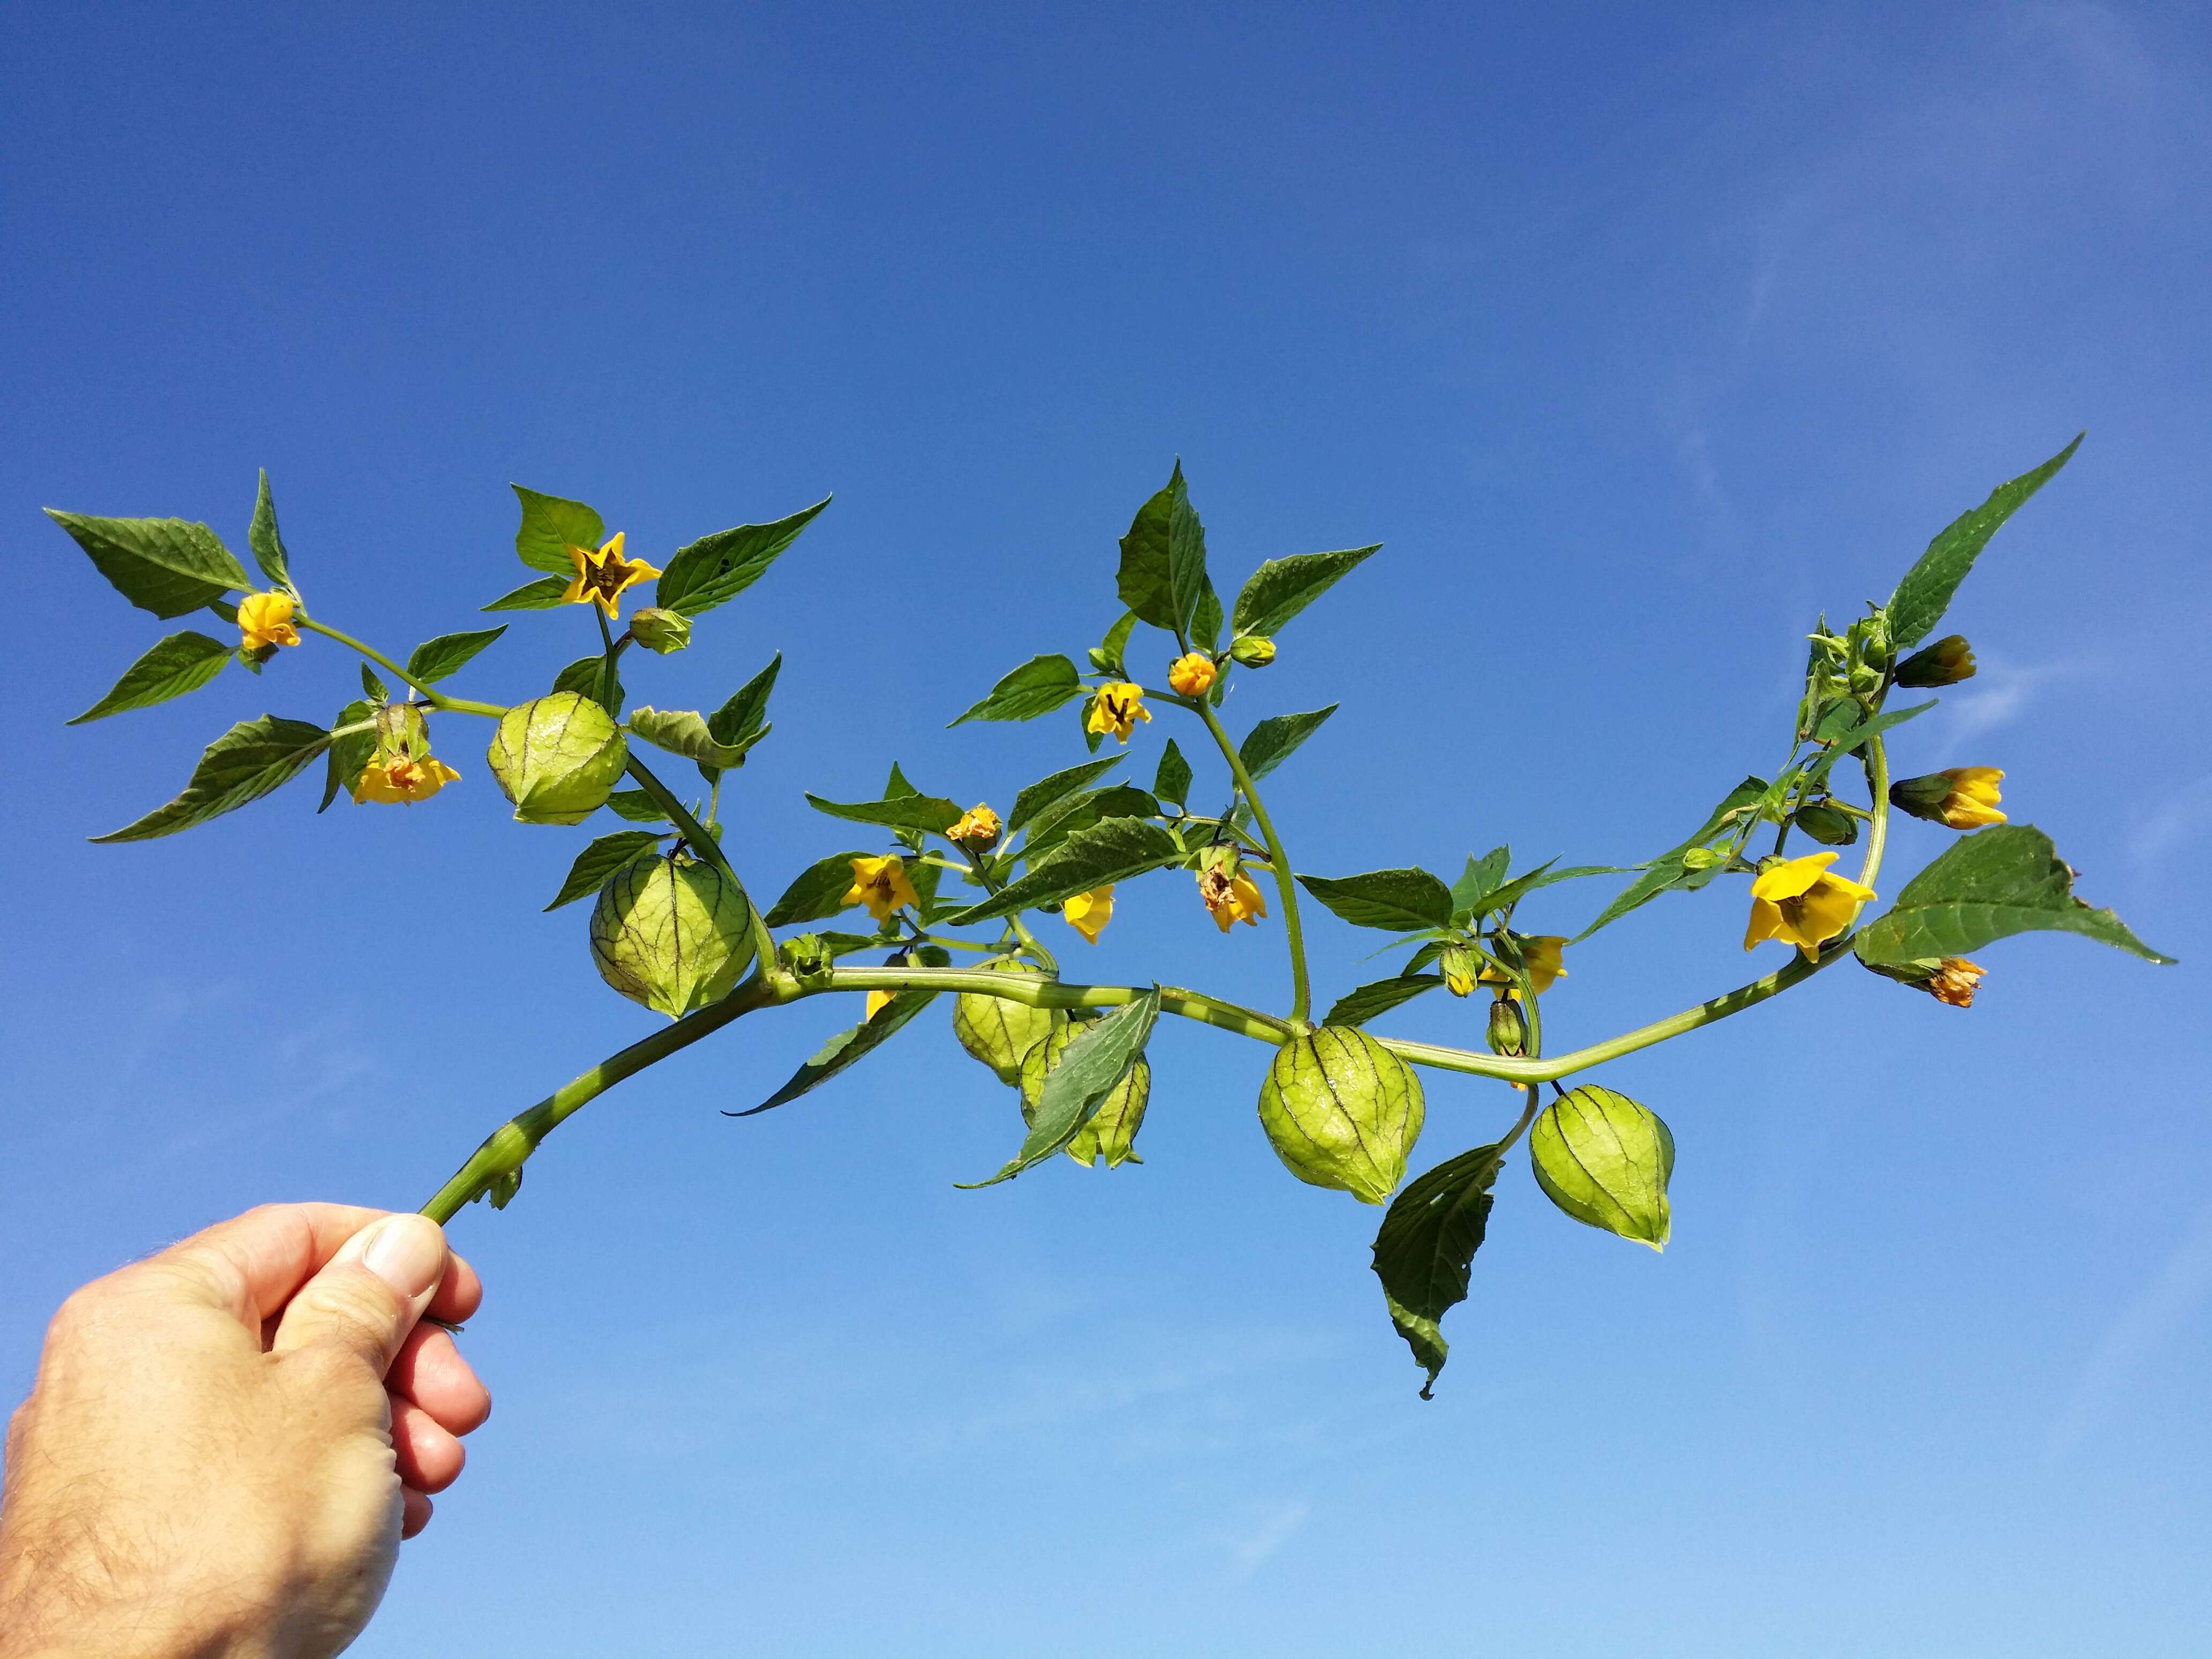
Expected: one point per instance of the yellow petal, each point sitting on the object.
(1791, 877)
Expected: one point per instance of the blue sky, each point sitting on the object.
(1638, 339)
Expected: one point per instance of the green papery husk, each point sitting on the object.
(1111, 1131)
(671, 933)
(1605, 1159)
(558, 758)
(1342, 1111)
(1000, 1033)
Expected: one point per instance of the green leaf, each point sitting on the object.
(1187, 580)
(2000, 881)
(1045, 792)
(817, 894)
(1668, 870)
(1925, 593)
(166, 565)
(606, 855)
(1205, 631)
(716, 568)
(742, 720)
(1126, 800)
(1397, 900)
(585, 678)
(847, 1048)
(1427, 1246)
(896, 784)
(1145, 580)
(261, 535)
(181, 662)
(348, 754)
(1479, 880)
(1357, 1007)
(1113, 850)
(683, 732)
(1272, 741)
(439, 659)
(637, 806)
(242, 765)
(1115, 646)
(551, 525)
(1091, 1067)
(1059, 820)
(1172, 781)
(1281, 588)
(1037, 687)
(1544, 876)
(541, 595)
(373, 688)
(919, 812)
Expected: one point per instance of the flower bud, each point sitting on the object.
(1102, 662)
(1605, 1160)
(1000, 1033)
(1252, 650)
(1342, 1111)
(1193, 675)
(1701, 858)
(671, 933)
(1829, 825)
(1946, 662)
(558, 758)
(1508, 1034)
(1950, 980)
(1112, 1128)
(660, 631)
(1959, 797)
(1457, 965)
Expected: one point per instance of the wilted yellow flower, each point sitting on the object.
(878, 1001)
(1193, 675)
(1456, 964)
(882, 885)
(1088, 913)
(1539, 953)
(1944, 663)
(979, 828)
(603, 575)
(265, 619)
(400, 779)
(1117, 708)
(1960, 798)
(1231, 896)
(1953, 983)
(1798, 902)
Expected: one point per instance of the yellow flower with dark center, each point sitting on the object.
(979, 829)
(1117, 708)
(1540, 954)
(1088, 913)
(1960, 798)
(882, 885)
(1952, 984)
(265, 620)
(1799, 903)
(1193, 675)
(401, 778)
(1231, 896)
(603, 575)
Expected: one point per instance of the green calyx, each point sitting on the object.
(1342, 1111)
(1829, 826)
(998, 1032)
(1111, 1130)
(671, 933)
(558, 758)
(1605, 1159)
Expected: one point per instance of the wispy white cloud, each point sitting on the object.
(2001, 691)
(2152, 1317)
(1268, 1528)
(2182, 816)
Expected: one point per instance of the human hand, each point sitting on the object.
(228, 1441)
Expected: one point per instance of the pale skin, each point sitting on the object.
(228, 1441)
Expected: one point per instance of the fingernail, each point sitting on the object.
(407, 1253)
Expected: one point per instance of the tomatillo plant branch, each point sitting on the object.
(1293, 935)
(438, 698)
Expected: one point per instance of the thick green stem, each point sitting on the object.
(437, 698)
(1286, 884)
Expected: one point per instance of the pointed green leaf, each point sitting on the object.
(1037, 687)
(349, 754)
(261, 535)
(242, 765)
(933, 813)
(637, 806)
(1115, 646)
(716, 568)
(181, 662)
(1925, 593)
(1205, 633)
(1145, 580)
(742, 720)
(817, 894)
(1668, 870)
(683, 732)
(1092, 1066)
(587, 677)
(1357, 1007)
(848, 1047)
(1397, 900)
(373, 688)
(1272, 740)
(551, 525)
(166, 566)
(1046, 791)
(436, 659)
(1478, 879)
(541, 595)
(606, 855)
(1172, 781)
(1425, 1249)
(1544, 876)
(1115, 849)
(1187, 580)
(1281, 588)
(2000, 881)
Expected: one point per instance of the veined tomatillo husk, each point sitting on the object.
(558, 758)
(1342, 1111)
(998, 1032)
(1605, 1159)
(1111, 1132)
(670, 933)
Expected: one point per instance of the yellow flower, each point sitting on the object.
(1117, 708)
(882, 885)
(1952, 984)
(603, 575)
(265, 619)
(1231, 896)
(1944, 663)
(1088, 913)
(1456, 964)
(878, 1001)
(979, 828)
(1798, 902)
(1960, 798)
(1539, 953)
(1193, 675)
(398, 778)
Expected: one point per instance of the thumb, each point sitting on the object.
(368, 1296)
